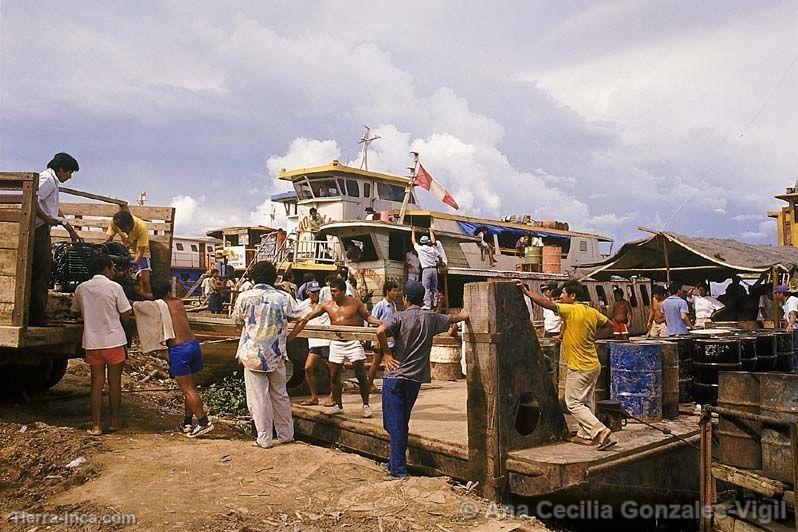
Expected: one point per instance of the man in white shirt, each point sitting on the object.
(428, 255)
(48, 214)
(790, 305)
(705, 306)
(552, 322)
(102, 302)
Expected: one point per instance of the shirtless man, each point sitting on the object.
(656, 319)
(185, 359)
(621, 313)
(344, 310)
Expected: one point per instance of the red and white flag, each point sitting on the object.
(425, 181)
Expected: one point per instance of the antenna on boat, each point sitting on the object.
(408, 189)
(365, 140)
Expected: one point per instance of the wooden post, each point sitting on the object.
(706, 473)
(774, 278)
(794, 449)
(24, 267)
(667, 261)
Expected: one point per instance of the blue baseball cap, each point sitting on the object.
(782, 289)
(313, 286)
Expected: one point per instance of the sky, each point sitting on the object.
(607, 115)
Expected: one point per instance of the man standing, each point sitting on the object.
(48, 214)
(412, 265)
(134, 234)
(552, 323)
(382, 311)
(318, 349)
(214, 293)
(407, 366)
(428, 255)
(789, 303)
(583, 324)
(621, 313)
(101, 302)
(677, 317)
(264, 312)
(656, 326)
(705, 305)
(344, 310)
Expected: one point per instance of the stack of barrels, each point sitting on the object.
(645, 378)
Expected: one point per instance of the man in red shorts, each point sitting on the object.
(102, 303)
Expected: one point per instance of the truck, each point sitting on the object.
(35, 358)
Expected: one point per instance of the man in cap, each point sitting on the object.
(789, 303)
(318, 349)
(407, 366)
(428, 255)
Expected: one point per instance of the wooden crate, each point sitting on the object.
(91, 221)
(17, 219)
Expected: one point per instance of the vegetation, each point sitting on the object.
(226, 396)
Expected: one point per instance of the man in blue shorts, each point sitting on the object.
(185, 359)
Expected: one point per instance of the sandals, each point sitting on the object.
(604, 442)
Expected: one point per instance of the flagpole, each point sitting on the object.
(409, 188)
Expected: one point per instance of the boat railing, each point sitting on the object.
(313, 251)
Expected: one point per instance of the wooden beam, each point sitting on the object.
(89, 195)
(749, 480)
(27, 226)
(667, 261)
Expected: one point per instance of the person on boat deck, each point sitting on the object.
(704, 304)
(765, 304)
(552, 323)
(583, 325)
(735, 297)
(486, 243)
(318, 349)
(789, 303)
(48, 214)
(621, 312)
(264, 312)
(134, 234)
(521, 244)
(677, 315)
(428, 254)
(353, 253)
(413, 265)
(656, 326)
(407, 366)
(301, 293)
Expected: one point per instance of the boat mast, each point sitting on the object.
(413, 169)
(366, 141)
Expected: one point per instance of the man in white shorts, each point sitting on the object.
(344, 310)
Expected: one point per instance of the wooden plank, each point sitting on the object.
(18, 176)
(11, 198)
(60, 234)
(8, 285)
(9, 235)
(9, 335)
(748, 479)
(8, 262)
(27, 225)
(10, 215)
(89, 195)
(165, 214)
(106, 222)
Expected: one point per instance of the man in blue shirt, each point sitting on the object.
(407, 366)
(676, 313)
(382, 311)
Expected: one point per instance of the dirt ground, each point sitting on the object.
(222, 482)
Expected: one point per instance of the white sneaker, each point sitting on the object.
(199, 430)
(366, 411)
(335, 409)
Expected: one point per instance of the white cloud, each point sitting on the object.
(196, 216)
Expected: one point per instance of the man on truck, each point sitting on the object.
(48, 214)
(134, 234)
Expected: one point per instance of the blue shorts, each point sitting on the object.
(322, 351)
(144, 265)
(185, 359)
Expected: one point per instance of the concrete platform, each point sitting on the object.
(439, 444)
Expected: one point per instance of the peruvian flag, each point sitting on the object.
(425, 181)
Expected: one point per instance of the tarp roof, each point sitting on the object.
(690, 258)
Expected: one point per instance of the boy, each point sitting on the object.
(102, 302)
(185, 359)
(382, 311)
(656, 319)
(135, 236)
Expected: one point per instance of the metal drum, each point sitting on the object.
(711, 356)
(748, 352)
(784, 352)
(670, 380)
(765, 351)
(779, 393)
(684, 344)
(739, 443)
(636, 378)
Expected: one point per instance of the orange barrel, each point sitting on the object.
(552, 259)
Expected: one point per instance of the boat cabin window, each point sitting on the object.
(324, 188)
(303, 190)
(194, 247)
(398, 245)
(179, 246)
(352, 188)
(644, 295)
(364, 249)
(366, 190)
(392, 192)
(210, 248)
(583, 246)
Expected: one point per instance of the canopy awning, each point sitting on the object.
(690, 259)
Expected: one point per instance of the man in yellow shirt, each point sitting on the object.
(582, 325)
(134, 234)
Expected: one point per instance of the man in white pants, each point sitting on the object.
(264, 312)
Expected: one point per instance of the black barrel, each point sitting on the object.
(784, 352)
(765, 350)
(748, 352)
(711, 356)
(684, 344)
